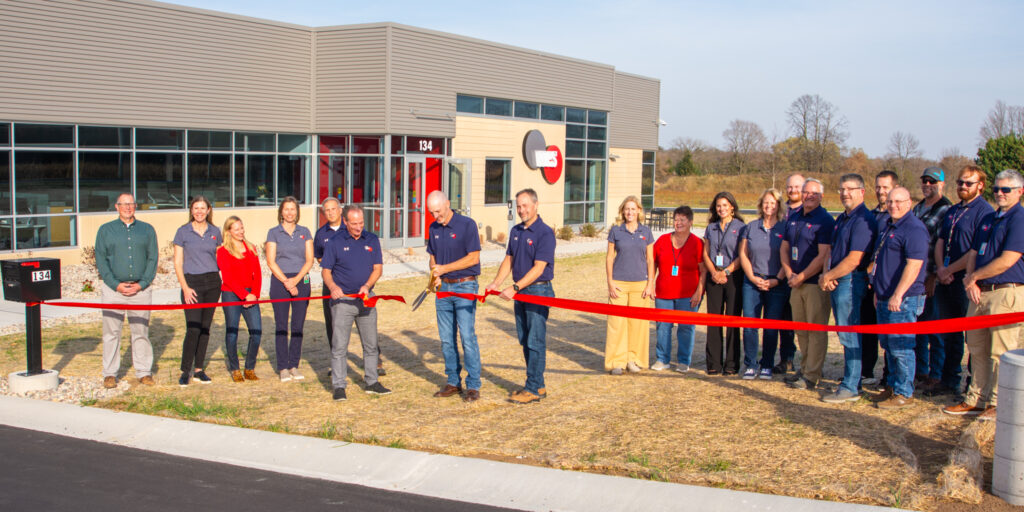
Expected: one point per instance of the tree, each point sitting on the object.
(858, 162)
(776, 161)
(1006, 152)
(745, 142)
(902, 148)
(823, 129)
(951, 162)
(1002, 120)
(685, 166)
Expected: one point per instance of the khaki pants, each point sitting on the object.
(986, 345)
(138, 326)
(629, 340)
(812, 305)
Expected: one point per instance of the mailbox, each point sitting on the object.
(31, 279)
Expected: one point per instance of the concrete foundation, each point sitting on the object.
(20, 383)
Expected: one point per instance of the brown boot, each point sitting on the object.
(251, 375)
(237, 376)
(110, 382)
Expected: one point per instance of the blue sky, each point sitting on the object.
(932, 69)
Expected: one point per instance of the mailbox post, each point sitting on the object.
(30, 281)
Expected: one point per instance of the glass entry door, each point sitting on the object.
(406, 202)
(456, 183)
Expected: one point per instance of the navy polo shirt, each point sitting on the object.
(906, 239)
(527, 245)
(351, 260)
(291, 249)
(804, 232)
(855, 231)
(723, 243)
(324, 235)
(630, 252)
(998, 234)
(200, 252)
(763, 246)
(452, 242)
(790, 210)
(960, 227)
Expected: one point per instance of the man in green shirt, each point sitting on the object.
(126, 257)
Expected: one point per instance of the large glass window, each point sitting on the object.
(39, 232)
(159, 138)
(575, 115)
(209, 174)
(333, 143)
(254, 180)
(585, 165)
(368, 190)
(291, 176)
(496, 107)
(107, 137)
(5, 183)
(44, 135)
(5, 134)
(209, 141)
(552, 113)
(498, 181)
(529, 110)
(292, 143)
(159, 181)
(102, 176)
(367, 145)
(262, 142)
(44, 182)
(332, 177)
(469, 104)
(647, 180)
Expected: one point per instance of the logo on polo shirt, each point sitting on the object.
(809, 225)
(985, 227)
(302, 237)
(529, 241)
(642, 237)
(778, 235)
(892, 235)
(368, 248)
(436, 237)
(453, 236)
(345, 249)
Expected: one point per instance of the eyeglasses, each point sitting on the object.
(1004, 190)
(896, 201)
(928, 181)
(849, 189)
(963, 183)
(127, 205)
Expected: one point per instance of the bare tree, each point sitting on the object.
(745, 142)
(952, 161)
(776, 161)
(1002, 120)
(902, 148)
(691, 144)
(816, 121)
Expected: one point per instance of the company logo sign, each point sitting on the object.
(539, 155)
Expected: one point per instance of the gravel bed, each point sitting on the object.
(72, 390)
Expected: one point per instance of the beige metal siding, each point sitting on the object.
(635, 114)
(143, 63)
(429, 68)
(351, 79)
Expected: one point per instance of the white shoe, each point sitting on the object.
(682, 368)
(286, 376)
(659, 366)
(296, 375)
(869, 382)
(632, 367)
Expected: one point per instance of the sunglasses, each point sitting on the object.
(963, 183)
(1004, 190)
(928, 181)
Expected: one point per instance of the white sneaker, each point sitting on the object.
(659, 366)
(869, 382)
(682, 368)
(296, 375)
(286, 375)
(632, 367)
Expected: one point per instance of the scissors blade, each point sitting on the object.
(419, 299)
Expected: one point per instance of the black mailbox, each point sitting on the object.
(31, 279)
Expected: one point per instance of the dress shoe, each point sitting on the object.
(988, 415)
(202, 377)
(447, 391)
(883, 396)
(962, 409)
(147, 381)
(472, 395)
(110, 382)
(896, 401)
(237, 376)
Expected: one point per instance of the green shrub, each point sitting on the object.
(565, 233)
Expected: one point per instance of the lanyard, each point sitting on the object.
(721, 241)
(952, 227)
(881, 244)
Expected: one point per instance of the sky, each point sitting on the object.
(931, 69)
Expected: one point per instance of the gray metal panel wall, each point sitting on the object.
(145, 63)
(351, 79)
(429, 68)
(635, 115)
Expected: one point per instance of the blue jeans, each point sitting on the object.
(899, 348)
(771, 304)
(931, 354)
(846, 302)
(253, 322)
(531, 327)
(685, 333)
(452, 313)
(952, 301)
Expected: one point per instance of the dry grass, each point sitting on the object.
(725, 432)
(698, 191)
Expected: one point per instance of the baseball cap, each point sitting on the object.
(935, 173)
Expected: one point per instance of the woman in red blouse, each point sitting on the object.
(678, 261)
(241, 279)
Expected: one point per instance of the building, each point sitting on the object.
(105, 96)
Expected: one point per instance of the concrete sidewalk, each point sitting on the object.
(458, 478)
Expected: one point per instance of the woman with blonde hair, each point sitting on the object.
(195, 264)
(289, 250)
(242, 279)
(765, 291)
(630, 269)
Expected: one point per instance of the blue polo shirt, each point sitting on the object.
(452, 242)
(763, 246)
(630, 252)
(855, 231)
(324, 235)
(291, 249)
(351, 260)
(199, 251)
(529, 244)
(960, 227)
(804, 232)
(906, 239)
(722, 245)
(1000, 233)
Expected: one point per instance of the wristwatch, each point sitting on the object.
(727, 272)
(515, 287)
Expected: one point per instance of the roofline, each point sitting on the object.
(208, 12)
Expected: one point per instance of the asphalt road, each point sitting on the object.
(49, 472)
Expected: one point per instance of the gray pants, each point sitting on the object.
(345, 311)
(138, 326)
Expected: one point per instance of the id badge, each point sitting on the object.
(675, 270)
(981, 250)
(305, 280)
(795, 255)
(945, 261)
(719, 261)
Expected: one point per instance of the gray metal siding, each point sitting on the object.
(633, 122)
(351, 79)
(142, 63)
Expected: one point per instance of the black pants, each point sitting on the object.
(728, 299)
(328, 319)
(197, 321)
(869, 342)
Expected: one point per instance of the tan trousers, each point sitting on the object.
(810, 304)
(138, 326)
(629, 340)
(986, 345)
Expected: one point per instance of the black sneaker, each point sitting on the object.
(802, 383)
(202, 377)
(339, 394)
(183, 381)
(377, 389)
(793, 378)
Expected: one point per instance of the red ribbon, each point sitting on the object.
(368, 302)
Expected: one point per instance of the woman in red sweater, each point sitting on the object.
(241, 279)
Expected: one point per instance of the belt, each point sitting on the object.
(537, 282)
(459, 280)
(1000, 286)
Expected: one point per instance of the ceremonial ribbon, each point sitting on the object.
(369, 302)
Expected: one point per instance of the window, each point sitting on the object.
(496, 107)
(552, 113)
(40, 135)
(575, 131)
(586, 155)
(209, 174)
(107, 137)
(254, 180)
(597, 117)
(260, 142)
(291, 176)
(102, 176)
(367, 145)
(368, 191)
(292, 143)
(333, 143)
(209, 141)
(528, 110)
(158, 181)
(575, 115)
(469, 104)
(332, 177)
(5, 134)
(159, 138)
(5, 184)
(43, 182)
(647, 180)
(498, 181)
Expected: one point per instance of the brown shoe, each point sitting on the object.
(896, 401)
(883, 396)
(147, 380)
(472, 395)
(447, 391)
(110, 382)
(236, 376)
(988, 415)
(541, 392)
(962, 409)
(524, 397)
(251, 375)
